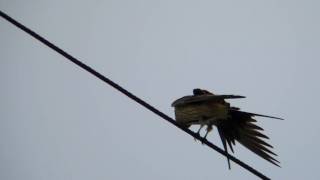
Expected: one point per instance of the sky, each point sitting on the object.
(58, 122)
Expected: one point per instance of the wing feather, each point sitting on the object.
(240, 127)
(202, 98)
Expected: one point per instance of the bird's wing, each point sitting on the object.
(202, 98)
(241, 127)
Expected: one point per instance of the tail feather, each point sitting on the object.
(223, 139)
(260, 153)
(259, 141)
(261, 115)
(255, 143)
(241, 127)
(230, 142)
(253, 126)
(254, 133)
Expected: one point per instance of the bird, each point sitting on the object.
(207, 109)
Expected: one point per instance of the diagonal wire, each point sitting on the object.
(128, 94)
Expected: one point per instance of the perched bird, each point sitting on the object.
(206, 109)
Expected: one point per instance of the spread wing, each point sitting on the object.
(242, 127)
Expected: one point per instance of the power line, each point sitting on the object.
(128, 94)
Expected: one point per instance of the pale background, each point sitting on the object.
(57, 122)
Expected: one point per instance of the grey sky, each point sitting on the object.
(60, 123)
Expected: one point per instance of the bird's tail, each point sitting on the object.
(241, 127)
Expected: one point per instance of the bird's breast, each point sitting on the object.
(194, 113)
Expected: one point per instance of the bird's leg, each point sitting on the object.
(209, 124)
(198, 132)
(209, 128)
(201, 126)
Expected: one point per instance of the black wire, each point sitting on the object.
(130, 95)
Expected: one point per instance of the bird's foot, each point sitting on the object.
(202, 141)
(198, 134)
(204, 138)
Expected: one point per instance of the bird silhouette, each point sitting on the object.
(206, 109)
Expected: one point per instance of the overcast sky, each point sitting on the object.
(57, 122)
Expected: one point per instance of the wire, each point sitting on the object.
(128, 94)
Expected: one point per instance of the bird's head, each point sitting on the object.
(198, 92)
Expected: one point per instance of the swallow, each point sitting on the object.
(207, 109)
